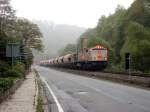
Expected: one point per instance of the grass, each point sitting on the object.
(39, 107)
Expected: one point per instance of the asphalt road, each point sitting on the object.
(82, 94)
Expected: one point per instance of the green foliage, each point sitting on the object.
(138, 44)
(107, 27)
(15, 30)
(7, 15)
(12, 73)
(111, 59)
(3, 37)
(90, 33)
(3, 41)
(5, 83)
(6, 70)
(68, 49)
(127, 30)
(28, 59)
(139, 12)
(96, 41)
(39, 107)
(111, 29)
(109, 32)
(20, 68)
(3, 66)
(30, 33)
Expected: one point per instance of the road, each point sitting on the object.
(75, 93)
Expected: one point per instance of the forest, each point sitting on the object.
(125, 31)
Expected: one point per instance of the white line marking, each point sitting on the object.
(60, 109)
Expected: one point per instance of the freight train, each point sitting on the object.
(94, 58)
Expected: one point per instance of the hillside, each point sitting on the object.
(57, 36)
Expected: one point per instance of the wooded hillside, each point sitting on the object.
(126, 31)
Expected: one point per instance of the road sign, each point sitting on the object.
(13, 50)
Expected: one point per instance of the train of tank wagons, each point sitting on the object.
(94, 58)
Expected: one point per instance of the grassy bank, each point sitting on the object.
(39, 105)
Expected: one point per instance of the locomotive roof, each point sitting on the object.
(98, 47)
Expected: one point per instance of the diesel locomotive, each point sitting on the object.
(94, 58)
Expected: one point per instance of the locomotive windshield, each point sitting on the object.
(103, 52)
(99, 54)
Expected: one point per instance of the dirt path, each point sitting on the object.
(23, 99)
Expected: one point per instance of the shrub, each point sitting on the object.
(17, 71)
(6, 83)
(12, 73)
(3, 68)
(20, 68)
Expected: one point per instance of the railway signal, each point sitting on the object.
(128, 63)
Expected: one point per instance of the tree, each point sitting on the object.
(119, 32)
(29, 33)
(127, 30)
(111, 29)
(97, 41)
(68, 49)
(7, 14)
(88, 34)
(138, 44)
(139, 12)
(15, 30)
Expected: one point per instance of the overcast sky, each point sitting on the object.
(84, 13)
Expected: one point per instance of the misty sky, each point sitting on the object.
(84, 13)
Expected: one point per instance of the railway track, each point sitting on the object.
(125, 73)
(136, 79)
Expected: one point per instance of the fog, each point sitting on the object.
(63, 21)
(57, 36)
(84, 13)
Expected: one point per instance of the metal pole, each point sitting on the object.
(77, 51)
(129, 68)
(12, 60)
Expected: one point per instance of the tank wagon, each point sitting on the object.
(94, 58)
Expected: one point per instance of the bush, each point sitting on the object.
(20, 68)
(6, 83)
(3, 68)
(12, 73)
(17, 71)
